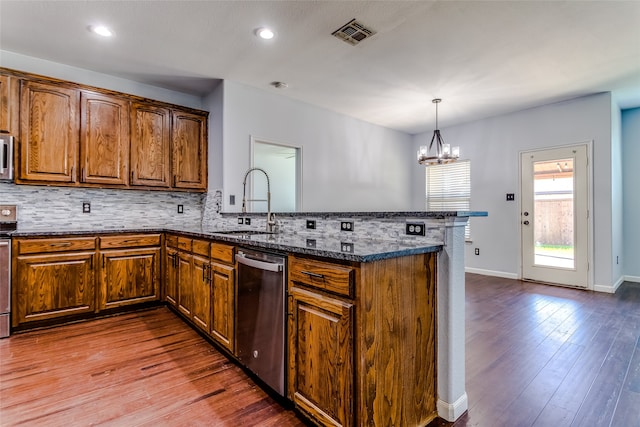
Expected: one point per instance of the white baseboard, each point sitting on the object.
(635, 279)
(493, 273)
(605, 289)
(452, 411)
(609, 289)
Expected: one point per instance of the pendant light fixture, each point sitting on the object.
(443, 152)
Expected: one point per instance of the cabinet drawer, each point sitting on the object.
(130, 241)
(171, 240)
(63, 244)
(322, 275)
(184, 244)
(222, 252)
(201, 247)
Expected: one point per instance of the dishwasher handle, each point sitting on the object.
(241, 258)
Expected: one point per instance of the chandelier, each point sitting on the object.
(443, 152)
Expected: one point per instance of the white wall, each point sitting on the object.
(78, 75)
(617, 237)
(347, 164)
(631, 192)
(493, 146)
(214, 104)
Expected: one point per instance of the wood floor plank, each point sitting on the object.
(537, 355)
(144, 368)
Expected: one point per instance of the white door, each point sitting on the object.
(554, 215)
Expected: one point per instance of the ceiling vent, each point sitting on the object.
(353, 32)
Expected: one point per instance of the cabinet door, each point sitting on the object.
(9, 101)
(185, 285)
(321, 357)
(171, 277)
(189, 141)
(49, 133)
(51, 286)
(201, 310)
(129, 276)
(104, 139)
(150, 146)
(223, 289)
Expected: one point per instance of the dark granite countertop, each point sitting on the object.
(371, 215)
(348, 249)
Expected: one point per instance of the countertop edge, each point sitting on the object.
(277, 247)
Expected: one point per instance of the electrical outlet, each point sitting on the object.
(511, 197)
(311, 243)
(232, 199)
(477, 251)
(415, 229)
(180, 209)
(241, 221)
(346, 225)
(86, 207)
(346, 247)
(247, 221)
(311, 224)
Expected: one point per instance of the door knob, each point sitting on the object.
(526, 223)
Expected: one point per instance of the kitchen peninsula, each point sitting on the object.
(375, 317)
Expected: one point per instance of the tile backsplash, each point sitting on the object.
(50, 207)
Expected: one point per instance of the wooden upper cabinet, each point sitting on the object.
(9, 94)
(150, 146)
(189, 141)
(104, 139)
(49, 133)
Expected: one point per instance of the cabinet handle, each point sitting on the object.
(60, 245)
(102, 260)
(204, 272)
(91, 262)
(131, 180)
(175, 178)
(73, 174)
(175, 260)
(315, 275)
(84, 175)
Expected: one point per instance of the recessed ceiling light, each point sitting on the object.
(265, 33)
(101, 30)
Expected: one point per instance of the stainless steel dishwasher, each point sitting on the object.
(260, 315)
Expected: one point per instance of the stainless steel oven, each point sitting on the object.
(8, 224)
(5, 287)
(260, 315)
(6, 157)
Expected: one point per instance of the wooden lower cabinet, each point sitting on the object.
(362, 340)
(321, 356)
(201, 292)
(129, 276)
(185, 287)
(49, 286)
(223, 297)
(171, 277)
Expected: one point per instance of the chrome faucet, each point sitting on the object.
(271, 217)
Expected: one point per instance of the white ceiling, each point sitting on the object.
(482, 58)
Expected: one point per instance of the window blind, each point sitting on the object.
(448, 188)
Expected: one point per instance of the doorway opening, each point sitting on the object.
(283, 164)
(555, 215)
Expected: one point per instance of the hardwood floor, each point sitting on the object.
(141, 369)
(537, 355)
